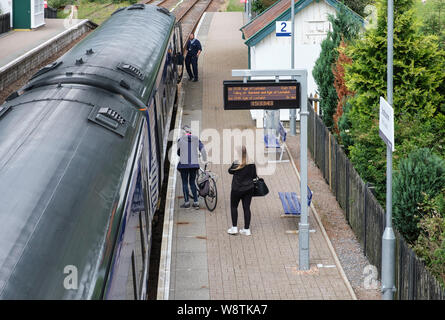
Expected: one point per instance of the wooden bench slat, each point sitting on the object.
(275, 143)
(284, 203)
(293, 210)
(291, 203)
(298, 205)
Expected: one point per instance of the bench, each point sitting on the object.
(273, 142)
(291, 203)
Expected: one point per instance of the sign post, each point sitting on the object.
(301, 75)
(386, 132)
(293, 112)
(388, 238)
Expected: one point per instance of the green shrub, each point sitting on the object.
(430, 246)
(418, 100)
(344, 27)
(258, 6)
(420, 175)
(59, 3)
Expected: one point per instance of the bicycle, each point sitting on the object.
(210, 192)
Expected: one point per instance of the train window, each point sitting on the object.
(142, 233)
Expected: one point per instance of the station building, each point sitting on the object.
(269, 51)
(24, 14)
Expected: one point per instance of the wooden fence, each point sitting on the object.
(365, 215)
(50, 13)
(5, 22)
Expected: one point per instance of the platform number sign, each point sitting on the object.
(283, 29)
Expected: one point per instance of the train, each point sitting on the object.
(82, 155)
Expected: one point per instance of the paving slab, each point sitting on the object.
(264, 265)
(14, 44)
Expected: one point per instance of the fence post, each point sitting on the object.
(347, 192)
(365, 223)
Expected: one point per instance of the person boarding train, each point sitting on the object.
(193, 47)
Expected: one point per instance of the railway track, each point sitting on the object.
(188, 12)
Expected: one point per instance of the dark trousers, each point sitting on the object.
(188, 176)
(193, 60)
(246, 198)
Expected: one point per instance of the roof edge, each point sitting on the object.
(262, 33)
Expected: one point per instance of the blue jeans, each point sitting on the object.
(188, 177)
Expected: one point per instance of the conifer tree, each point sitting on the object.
(418, 93)
(344, 26)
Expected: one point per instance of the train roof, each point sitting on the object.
(125, 52)
(63, 176)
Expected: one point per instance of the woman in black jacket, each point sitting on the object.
(242, 190)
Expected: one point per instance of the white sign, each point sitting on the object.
(283, 28)
(386, 123)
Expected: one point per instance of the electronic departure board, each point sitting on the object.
(261, 94)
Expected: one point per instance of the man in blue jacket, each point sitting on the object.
(188, 148)
(193, 47)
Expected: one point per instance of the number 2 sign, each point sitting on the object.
(283, 29)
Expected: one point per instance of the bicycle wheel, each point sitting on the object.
(212, 198)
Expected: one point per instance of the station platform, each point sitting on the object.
(199, 260)
(14, 44)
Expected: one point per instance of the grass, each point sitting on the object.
(235, 5)
(97, 12)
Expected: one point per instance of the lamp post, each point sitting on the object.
(388, 239)
(292, 112)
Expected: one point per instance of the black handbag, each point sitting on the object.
(260, 188)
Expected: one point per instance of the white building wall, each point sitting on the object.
(37, 13)
(5, 7)
(311, 28)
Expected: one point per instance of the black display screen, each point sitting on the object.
(261, 94)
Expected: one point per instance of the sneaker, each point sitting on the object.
(195, 80)
(196, 205)
(233, 230)
(186, 205)
(245, 232)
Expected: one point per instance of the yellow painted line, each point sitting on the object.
(22, 29)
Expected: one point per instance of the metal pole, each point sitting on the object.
(388, 239)
(292, 112)
(303, 226)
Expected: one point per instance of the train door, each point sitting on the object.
(178, 51)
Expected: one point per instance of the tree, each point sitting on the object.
(432, 14)
(418, 94)
(357, 5)
(344, 26)
(421, 174)
(343, 92)
(430, 245)
(258, 6)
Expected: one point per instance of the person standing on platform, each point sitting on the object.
(242, 190)
(193, 47)
(189, 147)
